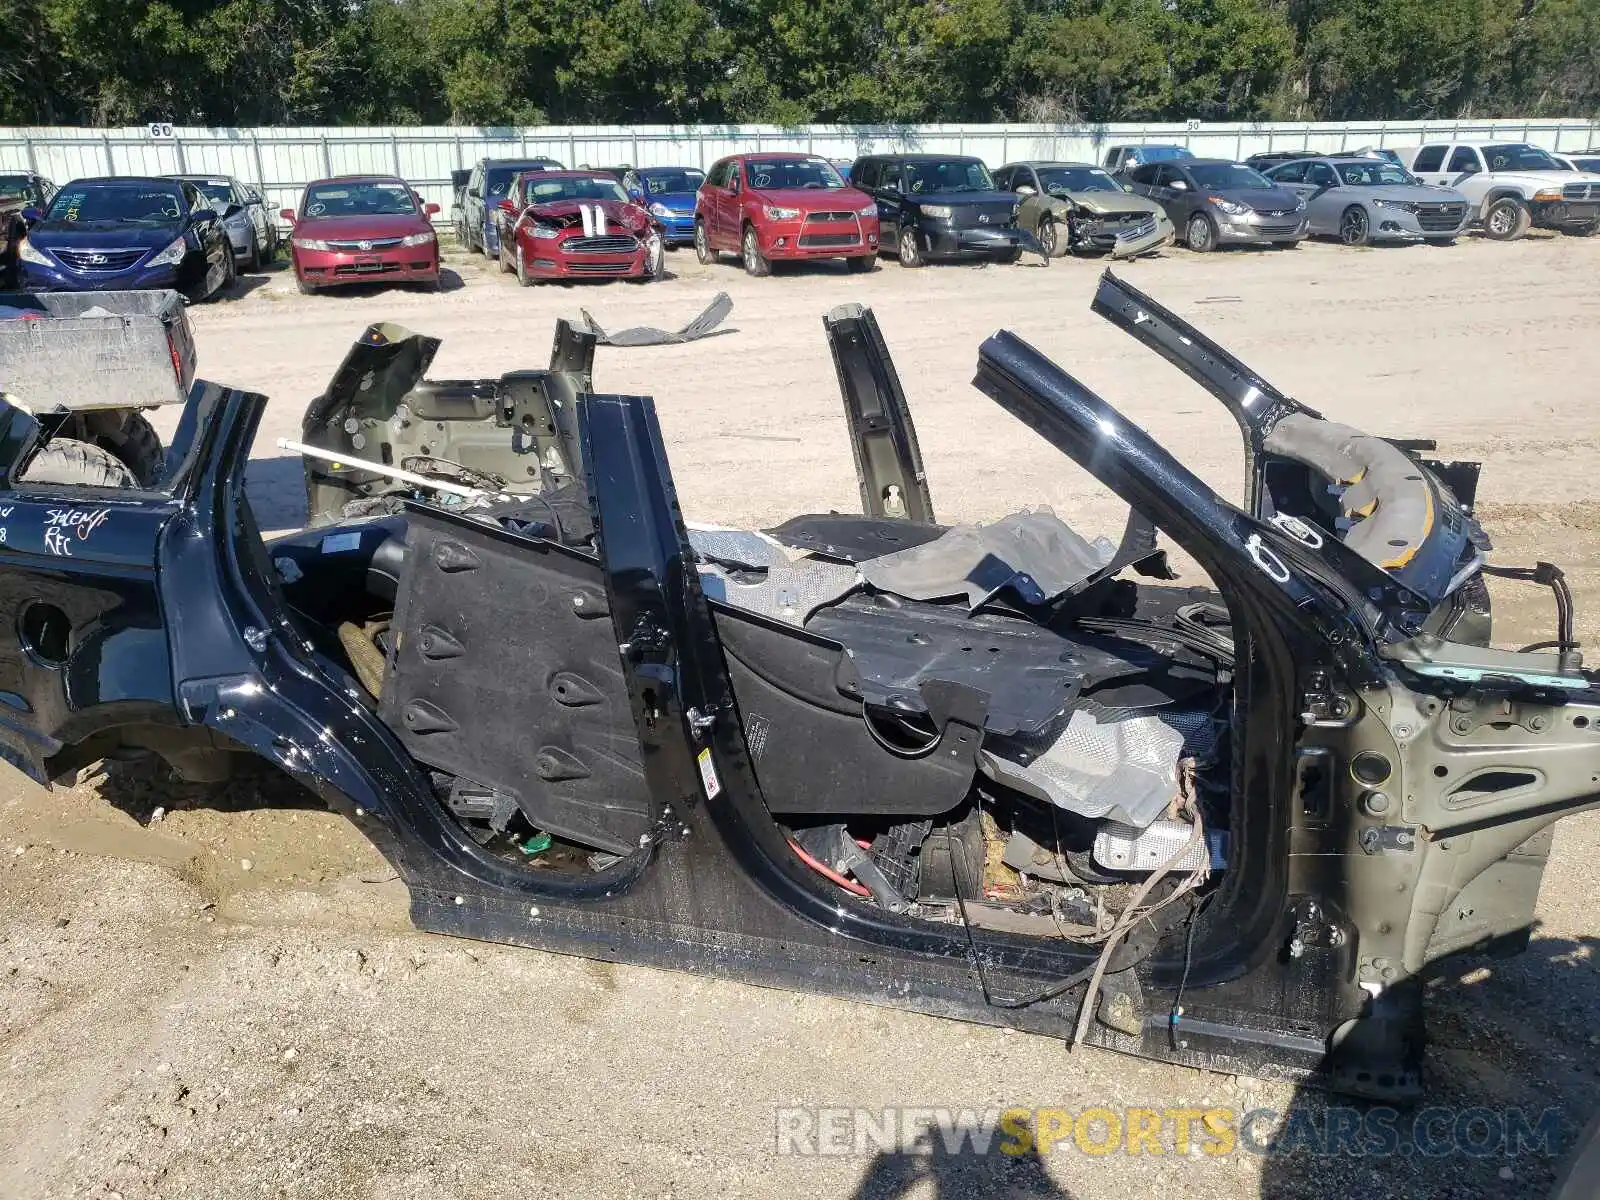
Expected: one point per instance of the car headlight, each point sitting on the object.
(659, 209)
(1399, 205)
(28, 252)
(309, 243)
(1548, 194)
(418, 239)
(171, 255)
(939, 212)
(870, 210)
(546, 233)
(781, 214)
(1231, 207)
(1299, 203)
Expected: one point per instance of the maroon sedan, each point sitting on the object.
(576, 225)
(362, 228)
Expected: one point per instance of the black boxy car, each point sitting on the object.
(941, 206)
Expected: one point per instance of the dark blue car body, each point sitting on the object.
(70, 249)
(665, 192)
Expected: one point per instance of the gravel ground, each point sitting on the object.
(229, 1002)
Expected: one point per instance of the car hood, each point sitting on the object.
(1261, 200)
(1543, 179)
(675, 201)
(965, 199)
(1417, 195)
(1111, 202)
(358, 228)
(100, 235)
(814, 199)
(619, 217)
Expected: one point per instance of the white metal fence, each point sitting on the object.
(284, 160)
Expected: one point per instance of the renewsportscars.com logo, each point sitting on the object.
(1376, 1132)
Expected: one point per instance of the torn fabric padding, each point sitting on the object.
(1036, 554)
(789, 593)
(1105, 764)
(644, 335)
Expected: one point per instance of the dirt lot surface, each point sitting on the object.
(229, 1002)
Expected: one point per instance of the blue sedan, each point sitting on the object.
(127, 234)
(668, 192)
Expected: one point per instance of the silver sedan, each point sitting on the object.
(1363, 200)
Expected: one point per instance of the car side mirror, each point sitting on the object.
(31, 216)
(1178, 185)
(287, 214)
(430, 208)
(1472, 170)
(636, 195)
(509, 207)
(233, 210)
(1024, 190)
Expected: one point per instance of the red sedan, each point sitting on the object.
(362, 228)
(770, 207)
(576, 225)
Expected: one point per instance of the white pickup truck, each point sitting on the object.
(1511, 185)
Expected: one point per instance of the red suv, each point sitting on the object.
(769, 207)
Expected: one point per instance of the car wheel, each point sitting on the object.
(1009, 257)
(702, 245)
(1056, 239)
(504, 263)
(1355, 227)
(230, 273)
(304, 288)
(1294, 245)
(67, 460)
(1199, 234)
(138, 447)
(861, 264)
(1508, 218)
(910, 252)
(1580, 230)
(755, 263)
(255, 261)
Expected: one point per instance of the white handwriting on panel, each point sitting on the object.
(61, 524)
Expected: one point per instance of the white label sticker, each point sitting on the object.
(341, 543)
(708, 775)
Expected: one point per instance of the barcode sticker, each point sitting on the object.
(708, 775)
(341, 543)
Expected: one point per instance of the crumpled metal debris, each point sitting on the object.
(704, 325)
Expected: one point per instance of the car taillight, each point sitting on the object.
(177, 359)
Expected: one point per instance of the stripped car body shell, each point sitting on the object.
(1302, 964)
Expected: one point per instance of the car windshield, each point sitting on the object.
(497, 180)
(592, 187)
(1377, 173)
(1146, 154)
(771, 174)
(129, 203)
(665, 183)
(19, 189)
(217, 192)
(360, 198)
(1518, 158)
(1060, 180)
(1229, 177)
(948, 175)
(1585, 163)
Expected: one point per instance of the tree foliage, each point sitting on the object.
(501, 62)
